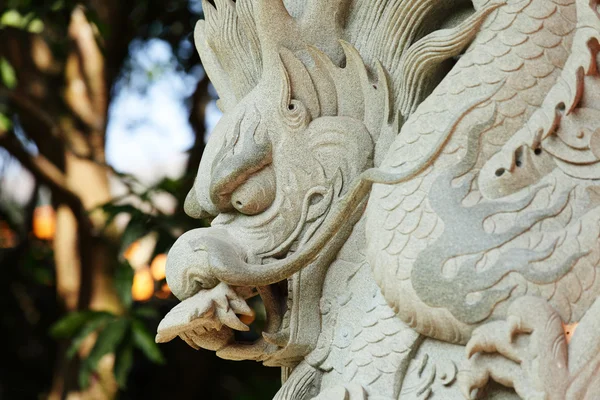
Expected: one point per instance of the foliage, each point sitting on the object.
(116, 333)
(120, 334)
(5, 123)
(36, 112)
(7, 74)
(28, 22)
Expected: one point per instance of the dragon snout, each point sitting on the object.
(256, 194)
(187, 268)
(246, 184)
(194, 257)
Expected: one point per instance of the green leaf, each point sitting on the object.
(5, 122)
(98, 322)
(11, 18)
(143, 340)
(112, 210)
(84, 376)
(42, 274)
(123, 282)
(123, 361)
(108, 340)
(7, 73)
(172, 186)
(164, 242)
(69, 325)
(57, 5)
(115, 209)
(36, 26)
(136, 228)
(146, 312)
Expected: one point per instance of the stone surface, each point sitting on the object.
(412, 187)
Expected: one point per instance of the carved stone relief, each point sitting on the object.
(412, 187)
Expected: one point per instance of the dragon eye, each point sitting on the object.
(295, 106)
(297, 116)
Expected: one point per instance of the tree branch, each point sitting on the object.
(89, 69)
(47, 173)
(28, 106)
(32, 109)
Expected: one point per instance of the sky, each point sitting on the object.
(148, 133)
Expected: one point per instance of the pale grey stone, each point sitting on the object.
(413, 189)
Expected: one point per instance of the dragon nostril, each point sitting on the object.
(256, 194)
(500, 172)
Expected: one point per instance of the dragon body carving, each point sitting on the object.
(412, 189)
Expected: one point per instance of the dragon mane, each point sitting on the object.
(340, 55)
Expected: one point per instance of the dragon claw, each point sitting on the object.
(526, 351)
(514, 327)
(239, 306)
(494, 337)
(215, 310)
(186, 338)
(470, 381)
(229, 318)
(484, 367)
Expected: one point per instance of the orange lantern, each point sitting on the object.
(143, 285)
(44, 222)
(158, 267)
(132, 250)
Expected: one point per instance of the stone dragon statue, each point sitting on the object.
(412, 187)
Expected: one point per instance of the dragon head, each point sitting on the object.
(287, 171)
(278, 175)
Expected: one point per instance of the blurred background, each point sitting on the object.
(104, 112)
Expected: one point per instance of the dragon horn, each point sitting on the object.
(301, 84)
(327, 14)
(274, 27)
